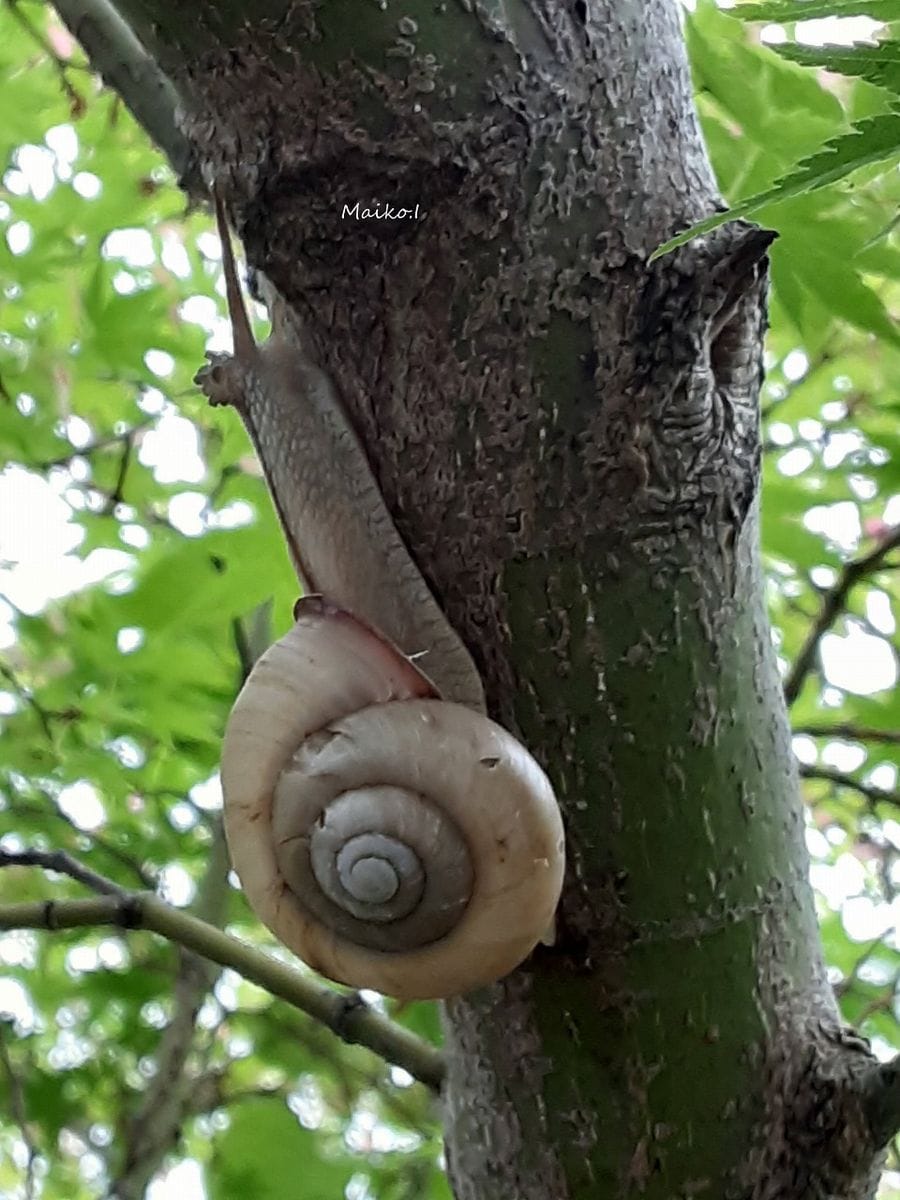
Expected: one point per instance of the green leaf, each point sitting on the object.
(832, 279)
(806, 10)
(215, 578)
(878, 64)
(873, 140)
(267, 1154)
(778, 107)
(422, 1018)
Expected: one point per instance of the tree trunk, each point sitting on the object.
(567, 437)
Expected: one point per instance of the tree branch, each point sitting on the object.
(51, 812)
(347, 1016)
(64, 864)
(789, 387)
(102, 443)
(19, 1112)
(212, 1091)
(352, 1076)
(844, 985)
(833, 605)
(116, 495)
(853, 733)
(115, 52)
(841, 779)
(153, 1128)
(27, 697)
(76, 100)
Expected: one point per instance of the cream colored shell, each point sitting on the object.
(334, 715)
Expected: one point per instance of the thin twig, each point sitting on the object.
(60, 65)
(64, 864)
(833, 603)
(872, 793)
(242, 648)
(105, 499)
(27, 696)
(883, 1002)
(116, 52)
(228, 472)
(790, 387)
(353, 1077)
(152, 1127)
(19, 1111)
(845, 730)
(850, 978)
(116, 496)
(49, 810)
(204, 817)
(347, 1016)
(252, 636)
(104, 443)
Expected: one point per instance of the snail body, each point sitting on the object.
(381, 825)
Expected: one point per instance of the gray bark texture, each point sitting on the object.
(567, 437)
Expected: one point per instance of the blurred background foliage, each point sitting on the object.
(138, 550)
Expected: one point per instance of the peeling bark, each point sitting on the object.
(568, 440)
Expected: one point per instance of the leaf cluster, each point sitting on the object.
(839, 143)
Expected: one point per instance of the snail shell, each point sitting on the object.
(391, 840)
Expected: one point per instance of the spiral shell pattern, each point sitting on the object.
(392, 840)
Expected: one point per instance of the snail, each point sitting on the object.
(393, 840)
(382, 826)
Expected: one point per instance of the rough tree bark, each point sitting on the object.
(567, 437)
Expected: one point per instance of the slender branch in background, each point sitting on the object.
(19, 1111)
(119, 57)
(353, 1076)
(242, 646)
(104, 500)
(843, 986)
(61, 66)
(829, 428)
(252, 637)
(881, 1003)
(152, 1127)
(833, 603)
(845, 730)
(841, 779)
(221, 1099)
(796, 604)
(150, 1130)
(212, 1090)
(228, 472)
(62, 863)
(789, 387)
(127, 437)
(158, 795)
(49, 811)
(345, 1015)
(27, 696)
(116, 497)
